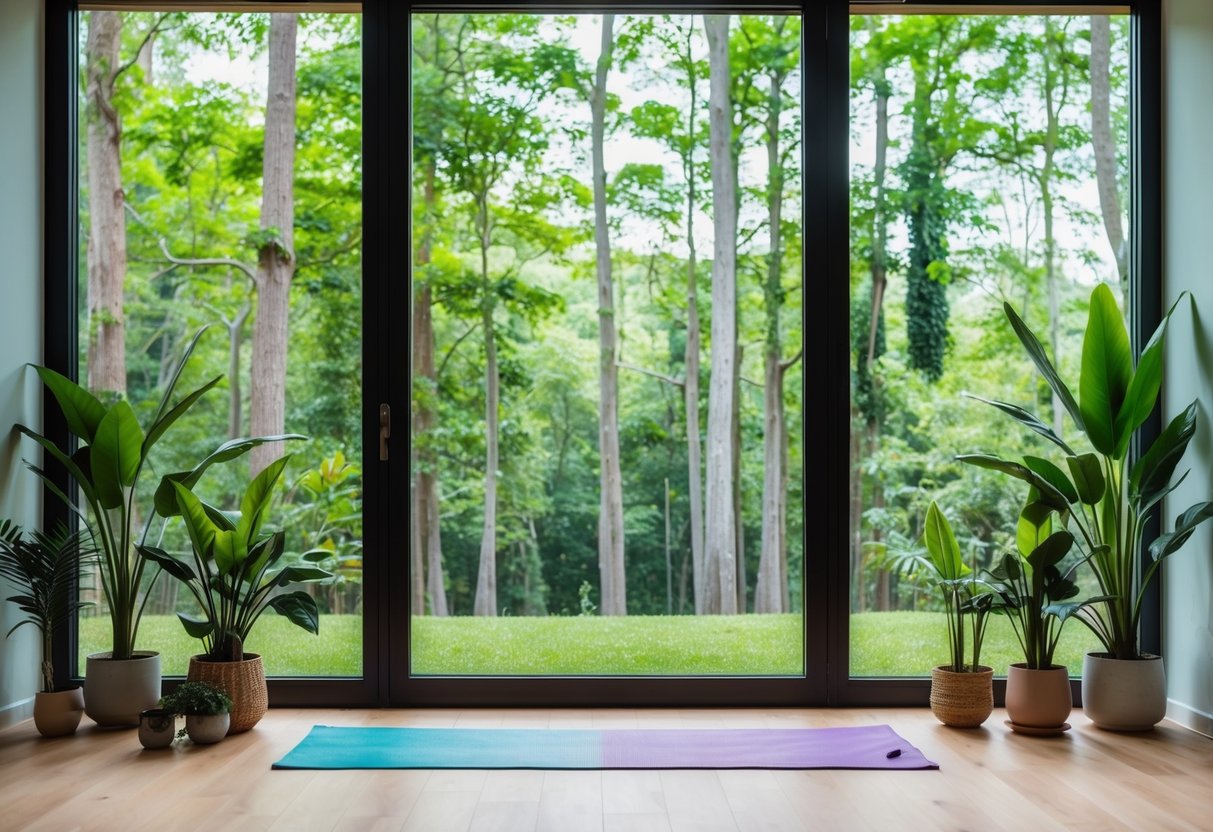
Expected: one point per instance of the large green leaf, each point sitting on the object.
(1185, 525)
(166, 421)
(1053, 475)
(81, 408)
(300, 608)
(175, 568)
(1030, 420)
(71, 463)
(1051, 551)
(1033, 528)
(301, 575)
(1087, 473)
(942, 546)
(229, 553)
(1152, 473)
(1048, 493)
(1037, 353)
(1143, 389)
(198, 524)
(196, 627)
(116, 453)
(166, 504)
(1107, 370)
(255, 504)
(162, 408)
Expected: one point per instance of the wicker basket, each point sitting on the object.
(244, 682)
(962, 700)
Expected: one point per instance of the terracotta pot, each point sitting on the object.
(1124, 694)
(205, 729)
(157, 728)
(962, 700)
(243, 681)
(58, 713)
(1038, 698)
(116, 690)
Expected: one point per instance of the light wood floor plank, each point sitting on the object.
(1087, 780)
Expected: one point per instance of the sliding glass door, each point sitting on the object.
(607, 298)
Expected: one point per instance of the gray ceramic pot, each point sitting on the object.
(115, 691)
(207, 729)
(157, 728)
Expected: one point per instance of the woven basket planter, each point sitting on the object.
(962, 700)
(244, 682)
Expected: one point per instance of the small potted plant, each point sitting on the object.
(962, 691)
(206, 708)
(1110, 499)
(235, 576)
(43, 568)
(1035, 596)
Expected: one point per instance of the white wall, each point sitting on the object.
(1188, 223)
(21, 37)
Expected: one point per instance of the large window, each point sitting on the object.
(531, 237)
(220, 189)
(606, 348)
(989, 165)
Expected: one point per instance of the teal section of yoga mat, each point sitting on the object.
(330, 748)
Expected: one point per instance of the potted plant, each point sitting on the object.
(43, 568)
(1035, 595)
(206, 708)
(235, 576)
(1109, 502)
(962, 691)
(107, 468)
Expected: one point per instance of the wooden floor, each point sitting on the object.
(989, 779)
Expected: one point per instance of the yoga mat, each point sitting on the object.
(866, 747)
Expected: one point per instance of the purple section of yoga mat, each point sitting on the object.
(864, 747)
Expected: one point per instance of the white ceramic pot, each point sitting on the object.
(207, 729)
(57, 714)
(1038, 698)
(1124, 694)
(115, 691)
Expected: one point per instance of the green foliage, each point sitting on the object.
(235, 572)
(963, 595)
(44, 569)
(197, 699)
(1033, 591)
(1107, 502)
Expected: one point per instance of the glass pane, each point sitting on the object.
(989, 165)
(607, 385)
(220, 189)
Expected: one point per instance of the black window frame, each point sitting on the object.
(386, 680)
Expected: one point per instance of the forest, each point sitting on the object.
(606, 368)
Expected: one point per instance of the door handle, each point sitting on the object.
(385, 430)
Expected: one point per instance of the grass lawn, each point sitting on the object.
(882, 644)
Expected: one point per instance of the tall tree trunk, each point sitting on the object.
(276, 259)
(1104, 145)
(610, 478)
(738, 523)
(720, 592)
(486, 579)
(768, 595)
(691, 358)
(879, 268)
(235, 340)
(426, 562)
(106, 204)
(1052, 66)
